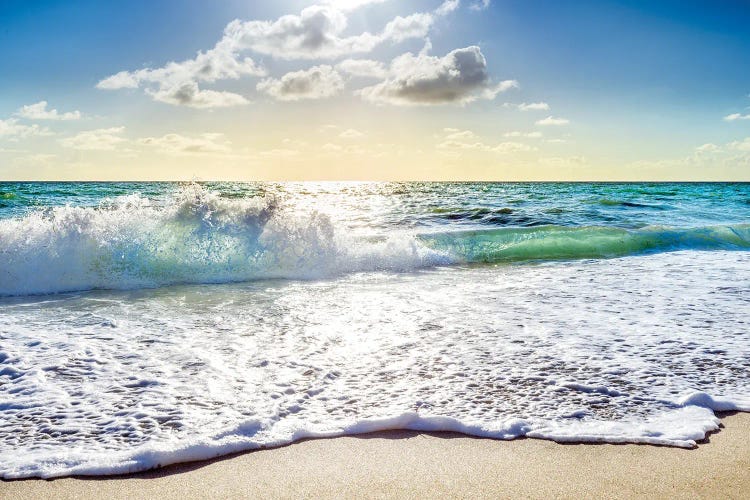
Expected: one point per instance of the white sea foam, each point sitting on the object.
(638, 349)
(197, 237)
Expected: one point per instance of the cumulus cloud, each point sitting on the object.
(447, 7)
(177, 82)
(315, 83)
(479, 5)
(314, 33)
(366, 68)
(552, 121)
(13, 131)
(125, 80)
(317, 33)
(177, 144)
(220, 63)
(736, 116)
(39, 111)
(459, 77)
(743, 145)
(708, 148)
(189, 94)
(103, 139)
(404, 28)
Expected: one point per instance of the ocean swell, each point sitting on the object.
(588, 242)
(200, 237)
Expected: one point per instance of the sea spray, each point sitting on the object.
(198, 237)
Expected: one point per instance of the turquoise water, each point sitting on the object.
(143, 324)
(423, 205)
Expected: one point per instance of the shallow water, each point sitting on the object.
(198, 321)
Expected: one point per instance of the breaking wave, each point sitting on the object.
(200, 237)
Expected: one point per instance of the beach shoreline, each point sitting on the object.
(414, 464)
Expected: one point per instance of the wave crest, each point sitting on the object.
(200, 237)
(197, 237)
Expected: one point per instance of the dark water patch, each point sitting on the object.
(608, 202)
(555, 211)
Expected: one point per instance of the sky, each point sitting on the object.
(375, 90)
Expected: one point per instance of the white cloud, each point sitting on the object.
(743, 145)
(553, 121)
(529, 135)
(317, 33)
(177, 82)
(708, 148)
(459, 77)
(736, 116)
(511, 147)
(447, 7)
(103, 139)
(124, 80)
(39, 111)
(189, 94)
(404, 28)
(351, 134)
(530, 106)
(366, 68)
(315, 83)
(223, 62)
(479, 5)
(12, 130)
(177, 144)
(455, 134)
(462, 140)
(492, 91)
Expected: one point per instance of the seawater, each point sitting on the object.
(143, 324)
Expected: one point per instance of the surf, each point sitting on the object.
(197, 236)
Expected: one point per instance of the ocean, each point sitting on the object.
(144, 324)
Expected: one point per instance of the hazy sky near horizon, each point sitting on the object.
(375, 90)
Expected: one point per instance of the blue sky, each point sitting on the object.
(645, 90)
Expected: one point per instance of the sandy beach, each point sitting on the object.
(411, 464)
